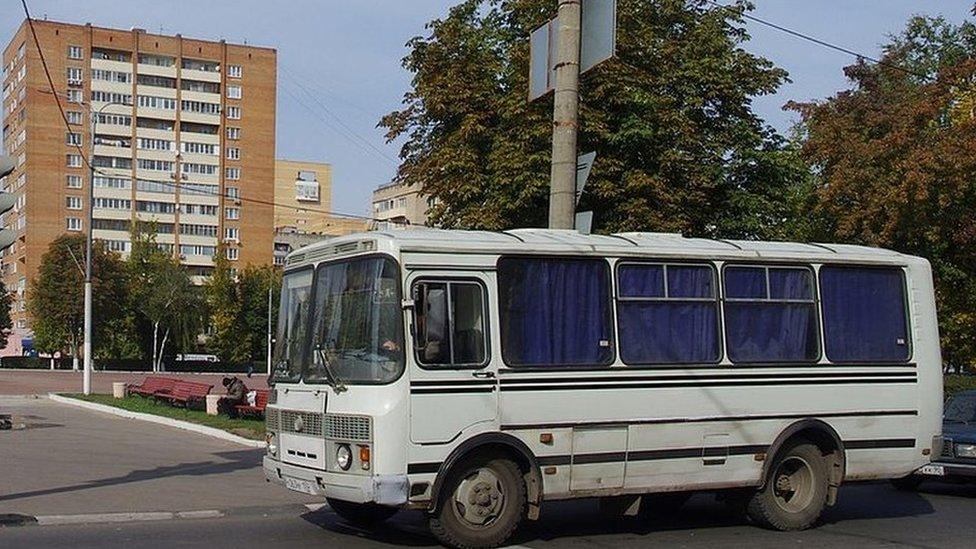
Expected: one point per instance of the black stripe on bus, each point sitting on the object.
(743, 383)
(673, 453)
(742, 376)
(707, 419)
(439, 382)
(451, 390)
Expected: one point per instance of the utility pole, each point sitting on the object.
(87, 353)
(565, 117)
(270, 294)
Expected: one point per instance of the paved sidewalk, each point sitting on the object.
(42, 382)
(74, 461)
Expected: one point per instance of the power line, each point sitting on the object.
(824, 43)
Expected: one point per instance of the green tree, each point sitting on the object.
(238, 305)
(6, 323)
(225, 312)
(56, 296)
(895, 165)
(678, 145)
(162, 293)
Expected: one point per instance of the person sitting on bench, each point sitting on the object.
(236, 394)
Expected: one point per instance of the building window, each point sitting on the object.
(74, 160)
(156, 102)
(770, 314)
(112, 97)
(233, 153)
(199, 148)
(74, 181)
(233, 254)
(233, 133)
(74, 75)
(233, 213)
(233, 193)
(235, 71)
(75, 52)
(148, 144)
(232, 233)
(72, 138)
(156, 60)
(233, 174)
(21, 323)
(555, 312)
(74, 117)
(115, 204)
(235, 92)
(73, 202)
(306, 175)
(75, 96)
(155, 165)
(74, 223)
(112, 76)
(234, 113)
(864, 314)
(199, 169)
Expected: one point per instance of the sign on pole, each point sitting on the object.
(584, 163)
(584, 222)
(598, 43)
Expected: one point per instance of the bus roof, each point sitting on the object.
(571, 242)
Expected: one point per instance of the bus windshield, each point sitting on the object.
(292, 343)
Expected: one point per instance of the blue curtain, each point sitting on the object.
(666, 332)
(745, 283)
(555, 311)
(768, 332)
(864, 314)
(790, 284)
(690, 281)
(641, 280)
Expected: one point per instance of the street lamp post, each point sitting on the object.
(87, 353)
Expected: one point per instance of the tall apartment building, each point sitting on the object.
(185, 129)
(303, 195)
(398, 205)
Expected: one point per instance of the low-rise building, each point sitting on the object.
(399, 204)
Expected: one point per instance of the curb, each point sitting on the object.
(185, 425)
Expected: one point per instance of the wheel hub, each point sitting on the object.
(479, 498)
(793, 486)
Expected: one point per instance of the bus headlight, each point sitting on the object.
(272, 443)
(966, 450)
(343, 457)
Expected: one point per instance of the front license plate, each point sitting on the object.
(299, 485)
(932, 470)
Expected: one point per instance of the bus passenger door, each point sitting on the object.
(452, 383)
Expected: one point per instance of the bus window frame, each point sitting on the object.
(611, 363)
(717, 299)
(414, 333)
(909, 329)
(311, 320)
(816, 303)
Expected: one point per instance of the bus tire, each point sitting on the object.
(795, 492)
(482, 504)
(365, 515)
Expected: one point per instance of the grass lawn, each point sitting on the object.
(247, 428)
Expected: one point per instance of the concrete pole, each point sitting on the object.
(86, 385)
(565, 118)
(270, 294)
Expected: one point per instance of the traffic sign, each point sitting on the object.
(598, 42)
(584, 163)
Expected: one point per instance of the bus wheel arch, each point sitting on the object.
(501, 445)
(825, 438)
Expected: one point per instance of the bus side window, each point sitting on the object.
(450, 323)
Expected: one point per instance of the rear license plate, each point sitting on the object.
(299, 485)
(932, 470)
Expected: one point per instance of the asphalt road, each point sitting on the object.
(93, 467)
(868, 516)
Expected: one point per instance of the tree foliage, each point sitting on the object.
(895, 163)
(6, 323)
(678, 145)
(56, 296)
(238, 303)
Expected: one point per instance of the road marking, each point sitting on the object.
(101, 518)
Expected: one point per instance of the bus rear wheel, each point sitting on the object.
(482, 504)
(795, 493)
(365, 515)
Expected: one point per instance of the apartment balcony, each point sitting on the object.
(145, 68)
(113, 87)
(111, 65)
(104, 213)
(200, 118)
(204, 76)
(143, 89)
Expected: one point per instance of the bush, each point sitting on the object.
(955, 383)
(34, 363)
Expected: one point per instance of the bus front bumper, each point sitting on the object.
(382, 489)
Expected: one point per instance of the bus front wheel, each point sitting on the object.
(483, 503)
(361, 514)
(795, 493)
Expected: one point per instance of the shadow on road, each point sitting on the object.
(582, 518)
(234, 461)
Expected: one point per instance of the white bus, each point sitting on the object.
(475, 375)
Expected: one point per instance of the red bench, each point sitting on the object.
(151, 385)
(186, 393)
(260, 403)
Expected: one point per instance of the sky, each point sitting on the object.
(339, 60)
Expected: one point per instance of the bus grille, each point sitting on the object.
(343, 427)
(310, 424)
(948, 450)
(271, 419)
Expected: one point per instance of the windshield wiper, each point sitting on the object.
(331, 376)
